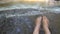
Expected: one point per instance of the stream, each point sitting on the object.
(20, 19)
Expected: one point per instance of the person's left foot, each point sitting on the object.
(37, 27)
(38, 20)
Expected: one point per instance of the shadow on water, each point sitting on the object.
(26, 24)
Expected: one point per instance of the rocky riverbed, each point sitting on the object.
(22, 21)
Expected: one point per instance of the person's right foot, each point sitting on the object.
(46, 25)
(45, 22)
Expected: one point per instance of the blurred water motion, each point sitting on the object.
(20, 18)
(25, 24)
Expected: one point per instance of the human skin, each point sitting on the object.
(37, 27)
(45, 25)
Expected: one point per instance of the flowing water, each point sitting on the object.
(21, 20)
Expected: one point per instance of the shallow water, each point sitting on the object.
(14, 19)
(20, 18)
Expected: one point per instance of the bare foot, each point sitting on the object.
(45, 21)
(45, 25)
(37, 27)
(38, 20)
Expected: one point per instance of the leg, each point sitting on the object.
(45, 25)
(37, 27)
